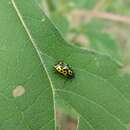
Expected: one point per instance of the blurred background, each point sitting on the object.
(98, 25)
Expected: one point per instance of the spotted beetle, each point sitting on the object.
(64, 69)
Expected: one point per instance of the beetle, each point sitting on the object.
(64, 69)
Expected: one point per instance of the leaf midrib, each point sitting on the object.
(38, 53)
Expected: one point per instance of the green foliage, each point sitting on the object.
(30, 46)
(66, 108)
(87, 4)
(118, 6)
(60, 22)
(102, 41)
(26, 99)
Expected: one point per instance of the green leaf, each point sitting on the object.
(60, 22)
(26, 98)
(118, 7)
(87, 4)
(66, 108)
(102, 41)
(29, 49)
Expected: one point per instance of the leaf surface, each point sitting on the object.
(30, 48)
(26, 97)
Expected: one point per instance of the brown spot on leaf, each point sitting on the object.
(18, 91)
(128, 126)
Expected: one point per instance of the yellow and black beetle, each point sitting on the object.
(64, 69)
